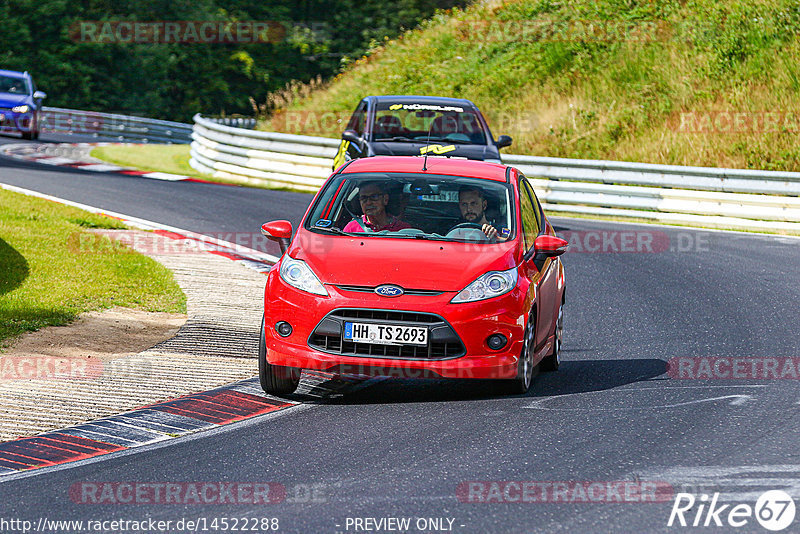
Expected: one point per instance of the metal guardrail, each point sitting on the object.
(112, 125)
(700, 196)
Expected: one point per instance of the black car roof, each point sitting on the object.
(419, 99)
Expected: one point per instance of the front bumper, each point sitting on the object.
(469, 325)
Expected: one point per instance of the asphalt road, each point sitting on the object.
(405, 448)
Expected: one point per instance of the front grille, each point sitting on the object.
(443, 342)
(371, 289)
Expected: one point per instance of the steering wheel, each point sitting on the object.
(467, 225)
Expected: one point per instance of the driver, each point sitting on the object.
(472, 203)
(373, 199)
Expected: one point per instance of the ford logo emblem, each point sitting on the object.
(389, 291)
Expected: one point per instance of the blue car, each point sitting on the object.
(20, 104)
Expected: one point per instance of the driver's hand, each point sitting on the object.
(491, 232)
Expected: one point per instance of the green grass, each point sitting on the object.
(46, 280)
(173, 159)
(623, 96)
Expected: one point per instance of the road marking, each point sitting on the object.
(709, 387)
(98, 167)
(540, 404)
(733, 483)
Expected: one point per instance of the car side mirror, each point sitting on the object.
(39, 95)
(503, 141)
(550, 246)
(278, 231)
(352, 136)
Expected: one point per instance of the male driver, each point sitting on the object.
(472, 204)
(373, 199)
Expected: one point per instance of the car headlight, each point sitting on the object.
(21, 109)
(298, 274)
(489, 285)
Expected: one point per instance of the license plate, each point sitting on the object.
(385, 334)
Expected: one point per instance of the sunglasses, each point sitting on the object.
(367, 198)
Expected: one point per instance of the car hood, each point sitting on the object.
(437, 148)
(9, 100)
(408, 263)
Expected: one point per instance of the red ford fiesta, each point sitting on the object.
(406, 266)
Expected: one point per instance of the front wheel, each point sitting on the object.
(553, 360)
(525, 368)
(33, 130)
(275, 379)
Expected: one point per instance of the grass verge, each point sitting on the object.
(173, 159)
(45, 282)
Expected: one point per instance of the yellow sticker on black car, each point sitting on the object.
(437, 149)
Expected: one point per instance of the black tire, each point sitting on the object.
(525, 368)
(551, 362)
(33, 131)
(275, 379)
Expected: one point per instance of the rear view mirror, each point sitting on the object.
(503, 141)
(278, 231)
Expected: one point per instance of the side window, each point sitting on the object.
(359, 119)
(536, 207)
(528, 213)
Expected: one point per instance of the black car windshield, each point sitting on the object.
(12, 84)
(414, 206)
(414, 122)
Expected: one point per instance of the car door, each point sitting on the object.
(544, 270)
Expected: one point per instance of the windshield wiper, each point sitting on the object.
(332, 230)
(399, 139)
(452, 141)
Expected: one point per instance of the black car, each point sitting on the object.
(20, 104)
(418, 125)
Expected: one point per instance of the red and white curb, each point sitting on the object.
(43, 153)
(164, 420)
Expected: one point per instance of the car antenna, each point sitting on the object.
(425, 159)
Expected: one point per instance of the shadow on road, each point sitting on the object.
(572, 377)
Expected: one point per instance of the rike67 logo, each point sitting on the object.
(774, 510)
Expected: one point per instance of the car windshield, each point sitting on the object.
(414, 122)
(414, 206)
(11, 84)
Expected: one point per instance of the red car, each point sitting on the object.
(416, 267)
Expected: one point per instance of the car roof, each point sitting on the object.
(14, 73)
(435, 166)
(420, 99)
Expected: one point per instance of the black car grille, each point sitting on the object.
(371, 289)
(443, 342)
